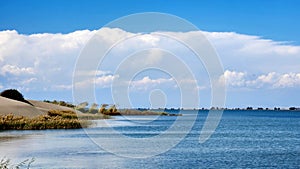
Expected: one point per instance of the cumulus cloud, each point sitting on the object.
(105, 81)
(47, 60)
(234, 78)
(288, 80)
(43, 59)
(147, 83)
(15, 70)
(270, 80)
(254, 54)
(249, 44)
(102, 81)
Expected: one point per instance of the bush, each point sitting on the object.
(15, 95)
(61, 103)
(53, 120)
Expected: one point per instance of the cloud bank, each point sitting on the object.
(271, 80)
(45, 61)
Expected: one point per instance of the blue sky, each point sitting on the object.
(257, 77)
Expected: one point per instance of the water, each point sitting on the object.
(243, 139)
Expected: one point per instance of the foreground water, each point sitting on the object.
(243, 139)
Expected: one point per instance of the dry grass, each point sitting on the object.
(5, 163)
(53, 120)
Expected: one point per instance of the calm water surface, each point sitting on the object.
(243, 139)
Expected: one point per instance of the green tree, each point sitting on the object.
(93, 108)
(102, 109)
(82, 107)
(15, 95)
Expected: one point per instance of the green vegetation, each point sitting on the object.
(112, 111)
(60, 103)
(87, 116)
(53, 120)
(93, 109)
(6, 164)
(104, 110)
(62, 119)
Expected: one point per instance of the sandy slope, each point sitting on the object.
(8, 106)
(45, 107)
(17, 108)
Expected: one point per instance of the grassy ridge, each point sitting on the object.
(58, 119)
(52, 120)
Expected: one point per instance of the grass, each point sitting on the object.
(57, 119)
(87, 116)
(5, 163)
(54, 119)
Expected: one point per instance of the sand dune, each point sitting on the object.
(8, 106)
(45, 107)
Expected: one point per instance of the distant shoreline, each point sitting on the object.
(231, 109)
(41, 115)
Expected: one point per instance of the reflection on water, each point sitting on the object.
(4, 138)
(243, 140)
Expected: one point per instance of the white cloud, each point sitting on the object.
(270, 80)
(93, 73)
(29, 81)
(62, 87)
(105, 81)
(102, 81)
(150, 39)
(288, 80)
(254, 54)
(249, 44)
(15, 70)
(147, 83)
(234, 78)
(48, 59)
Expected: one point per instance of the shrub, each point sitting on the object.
(53, 120)
(15, 95)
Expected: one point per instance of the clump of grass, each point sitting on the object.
(97, 116)
(53, 120)
(63, 114)
(5, 163)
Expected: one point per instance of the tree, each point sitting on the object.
(82, 106)
(102, 109)
(93, 108)
(113, 109)
(15, 95)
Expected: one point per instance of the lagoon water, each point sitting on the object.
(243, 139)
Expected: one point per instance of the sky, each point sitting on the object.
(258, 43)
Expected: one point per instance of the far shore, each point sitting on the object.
(38, 115)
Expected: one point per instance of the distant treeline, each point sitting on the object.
(61, 103)
(93, 108)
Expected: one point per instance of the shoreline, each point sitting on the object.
(42, 115)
